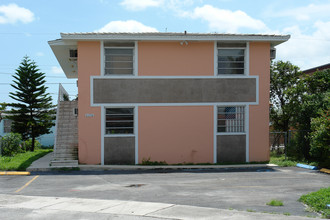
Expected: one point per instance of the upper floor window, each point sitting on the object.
(231, 58)
(118, 61)
(231, 119)
(119, 58)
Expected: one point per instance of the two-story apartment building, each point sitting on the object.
(174, 97)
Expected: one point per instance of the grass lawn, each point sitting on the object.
(282, 162)
(318, 201)
(22, 161)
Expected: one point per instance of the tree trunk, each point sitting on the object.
(33, 138)
(32, 146)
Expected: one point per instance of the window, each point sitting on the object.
(231, 119)
(231, 58)
(119, 121)
(118, 61)
(73, 53)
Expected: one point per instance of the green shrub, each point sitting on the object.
(149, 162)
(281, 161)
(10, 144)
(26, 145)
(320, 139)
(275, 202)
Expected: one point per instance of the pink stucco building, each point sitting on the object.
(174, 97)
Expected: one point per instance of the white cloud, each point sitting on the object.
(126, 26)
(306, 50)
(222, 20)
(137, 5)
(12, 13)
(57, 70)
(303, 13)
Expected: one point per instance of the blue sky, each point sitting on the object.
(27, 25)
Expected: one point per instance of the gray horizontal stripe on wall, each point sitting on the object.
(174, 90)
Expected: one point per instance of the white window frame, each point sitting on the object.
(232, 48)
(231, 132)
(119, 135)
(246, 61)
(134, 61)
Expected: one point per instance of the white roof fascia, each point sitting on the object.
(60, 42)
(277, 39)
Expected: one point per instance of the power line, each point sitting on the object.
(46, 75)
(45, 83)
(26, 33)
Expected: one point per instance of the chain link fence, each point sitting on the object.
(278, 142)
(284, 142)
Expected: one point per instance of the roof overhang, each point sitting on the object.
(273, 39)
(61, 50)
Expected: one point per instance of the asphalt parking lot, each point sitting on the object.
(242, 189)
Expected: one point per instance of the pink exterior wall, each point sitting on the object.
(89, 133)
(176, 134)
(174, 59)
(259, 114)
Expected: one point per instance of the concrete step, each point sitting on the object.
(67, 149)
(65, 155)
(66, 125)
(66, 145)
(67, 140)
(70, 152)
(65, 158)
(64, 163)
(67, 133)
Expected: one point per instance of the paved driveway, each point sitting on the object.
(244, 191)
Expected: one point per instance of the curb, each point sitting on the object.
(306, 166)
(324, 170)
(151, 168)
(14, 173)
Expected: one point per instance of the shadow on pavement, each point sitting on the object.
(156, 170)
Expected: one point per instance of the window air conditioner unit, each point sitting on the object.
(272, 53)
(73, 54)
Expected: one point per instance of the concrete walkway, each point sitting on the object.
(43, 164)
(77, 208)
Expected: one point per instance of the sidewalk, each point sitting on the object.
(43, 164)
(77, 208)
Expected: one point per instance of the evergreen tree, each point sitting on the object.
(33, 113)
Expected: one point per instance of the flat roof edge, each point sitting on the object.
(174, 37)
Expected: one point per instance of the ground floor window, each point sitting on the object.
(119, 121)
(231, 119)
